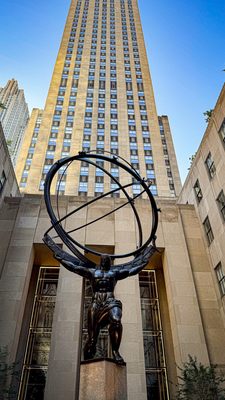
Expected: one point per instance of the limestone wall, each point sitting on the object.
(191, 319)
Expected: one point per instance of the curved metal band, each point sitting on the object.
(86, 157)
(65, 235)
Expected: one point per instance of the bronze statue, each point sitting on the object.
(105, 310)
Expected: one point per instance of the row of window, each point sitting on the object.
(49, 158)
(211, 169)
(99, 185)
(130, 103)
(25, 173)
(129, 89)
(166, 158)
(207, 226)
(220, 200)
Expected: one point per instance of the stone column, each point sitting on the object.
(127, 290)
(64, 360)
(18, 220)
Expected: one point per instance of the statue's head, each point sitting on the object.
(105, 262)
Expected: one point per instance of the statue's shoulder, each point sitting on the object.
(97, 273)
(113, 272)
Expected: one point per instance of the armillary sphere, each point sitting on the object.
(99, 161)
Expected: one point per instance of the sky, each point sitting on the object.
(185, 42)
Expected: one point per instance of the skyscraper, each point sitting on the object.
(14, 117)
(100, 97)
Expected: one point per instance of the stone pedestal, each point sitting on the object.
(102, 379)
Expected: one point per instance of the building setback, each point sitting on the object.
(14, 117)
(8, 182)
(101, 97)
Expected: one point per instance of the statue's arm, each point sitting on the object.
(71, 263)
(142, 261)
(135, 266)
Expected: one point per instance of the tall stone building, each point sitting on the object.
(101, 97)
(14, 117)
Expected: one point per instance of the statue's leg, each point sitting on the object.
(93, 332)
(115, 331)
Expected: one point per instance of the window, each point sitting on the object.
(221, 278)
(75, 83)
(63, 82)
(221, 203)
(48, 161)
(66, 148)
(90, 84)
(210, 166)
(140, 87)
(51, 147)
(35, 362)
(155, 363)
(144, 117)
(198, 191)
(113, 85)
(222, 132)
(129, 86)
(83, 178)
(102, 85)
(99, 179)
(55, 123)
(208, 230)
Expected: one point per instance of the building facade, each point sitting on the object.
(8, 182)
(101, 97)
(169, 311)
(14, 117)
(205, 188)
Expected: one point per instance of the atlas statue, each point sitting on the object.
(105, 310)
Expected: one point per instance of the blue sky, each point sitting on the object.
(185, 42)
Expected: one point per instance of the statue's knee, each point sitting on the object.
(116, 320)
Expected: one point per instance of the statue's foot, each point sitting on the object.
(118, 358)
(89, 351)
